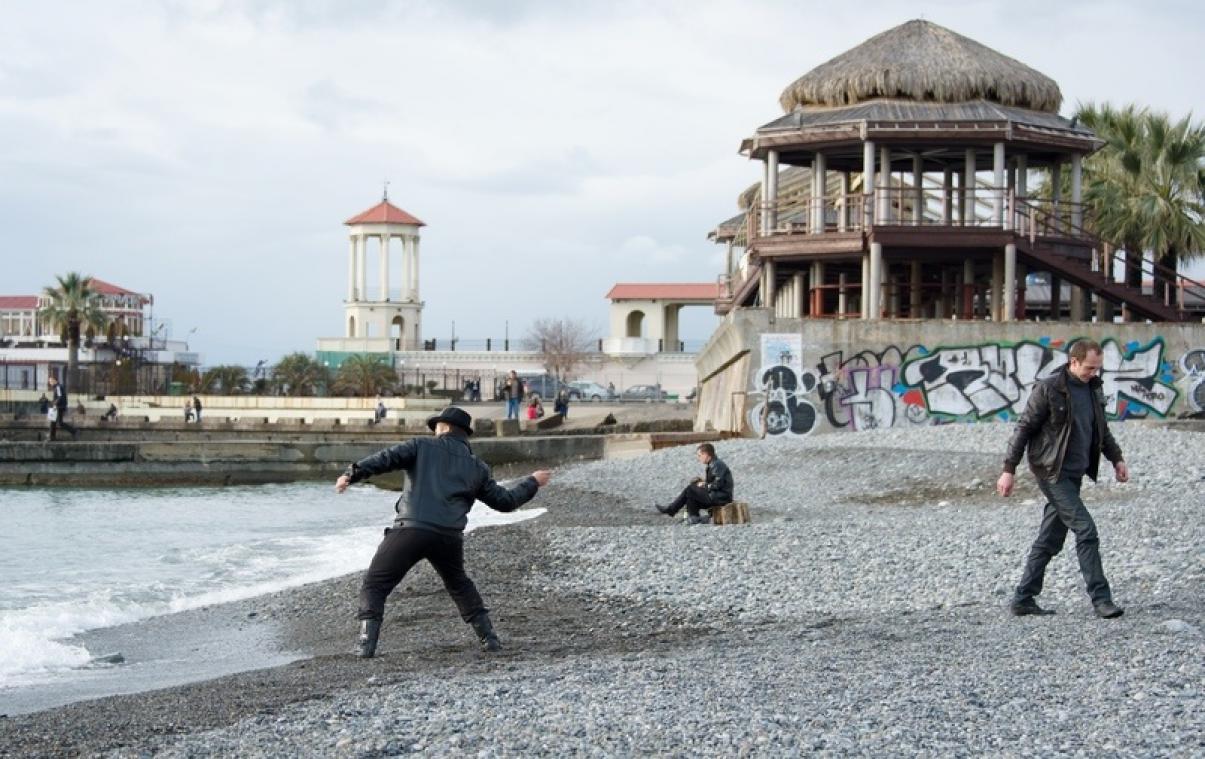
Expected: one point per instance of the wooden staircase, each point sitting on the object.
(1063, 256)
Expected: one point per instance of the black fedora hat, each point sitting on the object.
(453, 416)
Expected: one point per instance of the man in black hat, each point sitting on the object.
(445, 479)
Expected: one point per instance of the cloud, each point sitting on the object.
(645, 248)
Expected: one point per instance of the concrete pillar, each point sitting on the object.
(842, 295)
(1079, 312)
(918, 190)
(863, 296)
(875, 291)
(914, 290)
(385, 268)
(351, 270)
(868, 184)
(769, 193)
(1022, 288)
(768, 284)
(884, 213)
(843, 220)
(414, 267)
(997, 313)
(968, 189)
(818, 288)
(998, 183)
(799, 296)
(1009, 302)
(947, 195)
(968, 289)
(819, 191)
(1077, 211)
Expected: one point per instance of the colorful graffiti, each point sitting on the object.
(915, 385)
(1192, 365)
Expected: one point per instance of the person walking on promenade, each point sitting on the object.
(445, 478)
(1063, 428)
(187, 411)
(196, 408)
(714, 489)
(58, 414)
(514, 394)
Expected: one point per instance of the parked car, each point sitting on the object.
(585, 390)
(643, 393)
(543, 386)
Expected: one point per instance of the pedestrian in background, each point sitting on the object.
(57, 413)
(514, 394)
(1064, 431)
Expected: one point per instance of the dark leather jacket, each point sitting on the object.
(445, 478)
(1045, 427)
(719, 482)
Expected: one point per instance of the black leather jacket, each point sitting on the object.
(719, 482)
(1045, 427)
(445, 478)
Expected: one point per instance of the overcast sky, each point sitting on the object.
(208, 152)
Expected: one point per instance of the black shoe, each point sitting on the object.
(366, 645)
(698, 520)
(1028, 607)
(485, 632)
(1108, 610)
(663, 509)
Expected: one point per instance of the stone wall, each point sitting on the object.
(794, 377)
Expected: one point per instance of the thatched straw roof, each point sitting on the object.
(922, 61)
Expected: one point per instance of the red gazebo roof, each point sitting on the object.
(384, 213)
(664, 291)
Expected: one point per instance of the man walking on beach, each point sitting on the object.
(58, 414)
(714, 489)
(1064, 429)
(445, 479)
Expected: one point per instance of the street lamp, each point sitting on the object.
(190, 333)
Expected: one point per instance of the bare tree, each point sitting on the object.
(561, 343)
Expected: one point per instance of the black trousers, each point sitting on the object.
(1064, 511)
(62, 422)
(694, 497)
(404, 547)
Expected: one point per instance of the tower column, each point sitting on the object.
(384, 266)
(967, 198)
(351, 269)
(998, 183)
(361, 269)
(414, 266)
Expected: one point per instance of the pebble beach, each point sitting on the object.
(863, 612)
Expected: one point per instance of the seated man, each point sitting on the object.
(715, 489)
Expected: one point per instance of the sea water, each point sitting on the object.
(73, 560)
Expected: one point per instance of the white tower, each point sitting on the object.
(386, 310)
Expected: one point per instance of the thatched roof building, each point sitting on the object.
(922, 61)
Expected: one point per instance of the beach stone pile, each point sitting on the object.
(862, 612)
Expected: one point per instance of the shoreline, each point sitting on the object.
(863, 610)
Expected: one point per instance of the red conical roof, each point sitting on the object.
(384, 213)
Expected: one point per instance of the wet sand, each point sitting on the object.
(422, 634)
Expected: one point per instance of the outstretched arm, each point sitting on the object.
(508, 499)
(389, 460)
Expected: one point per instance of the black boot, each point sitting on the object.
(370, 630)
(485, 631)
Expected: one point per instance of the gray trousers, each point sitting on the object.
(1064, 511)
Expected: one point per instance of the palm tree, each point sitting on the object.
(70, 306)
(365, 376)
(299, 374)
(1146, 186)
(227, 378)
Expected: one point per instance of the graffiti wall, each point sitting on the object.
(797, 390)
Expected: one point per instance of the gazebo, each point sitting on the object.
(900, 183)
